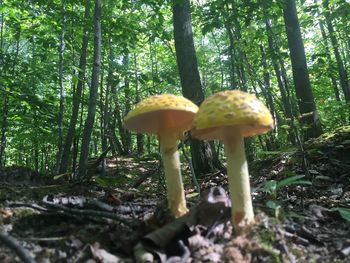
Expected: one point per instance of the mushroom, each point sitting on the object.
(230, 116)
(168, 116)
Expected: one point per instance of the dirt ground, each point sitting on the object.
(121, 217)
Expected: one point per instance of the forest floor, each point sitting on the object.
(120, 217)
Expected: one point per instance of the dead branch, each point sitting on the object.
(13, 244)
(88, 212)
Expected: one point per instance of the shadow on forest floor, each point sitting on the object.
(300, 220)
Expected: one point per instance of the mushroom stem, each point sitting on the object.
(238, 178)
(171, 163)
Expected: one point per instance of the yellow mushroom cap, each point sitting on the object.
(231, 108)
(161, 113)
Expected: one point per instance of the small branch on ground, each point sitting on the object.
(87, 212)
(13, 244)
(33, 206)
(143, 178)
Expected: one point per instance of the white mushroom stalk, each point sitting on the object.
(171, 162)
(230, 116)
(238, 176)
(167, 116)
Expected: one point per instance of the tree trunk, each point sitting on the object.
(306, 101)
(330, 62)
(78, 94)
(6, 99)
(139, 137)
(102, 104)
(105, 106)
(4, 124)
(282, 83)
(343, 76)
(5, 96)
(127, 143)
(190, 80)
(61, 85)
(231, 48)
(90, 119)
(270, 144)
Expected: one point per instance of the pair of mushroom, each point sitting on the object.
(228, 116)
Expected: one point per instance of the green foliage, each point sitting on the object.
(143, 30)
(108, 181)
(272, 188)
(344, 212)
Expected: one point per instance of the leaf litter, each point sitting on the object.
(97, 222)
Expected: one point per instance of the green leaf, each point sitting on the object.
(285, 127)
(270, 187)
(273, 205)
(106, 181)
(293, 180)
(344, 212)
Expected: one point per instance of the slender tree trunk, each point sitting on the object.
(127, 134)
(4, 124)
(343, 76)
(105, 108)
(78, 94)
(306, 101)
(271, 144)
(139, 137)
(6, 99)
(330, 62)
(231, 48)
(222, 73)
(5, 106)
(190, 80)
(267, 86)
(61, 86)
(154, 67)
(115, 122)
(241, 58)
(102, 104)
(90, 119)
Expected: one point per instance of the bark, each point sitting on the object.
(5, 105)
(78, 94)
(105, 106)
(267, 87)
(190, 80)
(241, 56)
(330, 62)
(102, 104)
(231, 48)
(90, 119)
(221, 66)
(305, 97)
(154, 65)
(115, 122)
(6, 102)
(4, 124)
(127, 143)
(343, 76)
(270, 144)
(139, 137)
(61, 86)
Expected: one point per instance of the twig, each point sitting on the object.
(33, 206)
(8, 187)
(92, 167)
(193, 175)
(143, 177)
(88, 212)
(13, 244)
